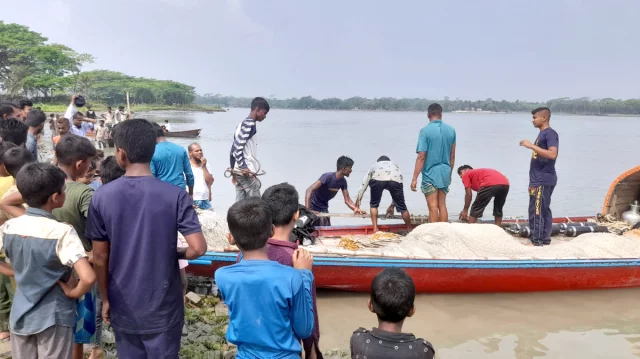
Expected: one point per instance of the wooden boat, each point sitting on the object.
(355, 273)
(623, 191)
(183, 134)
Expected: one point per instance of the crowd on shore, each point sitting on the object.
(83, 254)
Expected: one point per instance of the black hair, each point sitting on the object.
(62, 120)
(344, 162)
(137, 138)
(283, 200)
(99, 154)
(72, 148)
(38, 181)
(24, 103)
(108, 107)
(259, 103)
(35, 118)
(14, 130)
(250, 223)
(120, 107)
(464, 167)
(158, 129)
(392, 295)
(166, 121)
(434, 110)
(101, 121)
(110, 170)
(78, 115)
(383, 158)
(7, 108)
(15, 158)
(4, 146)
(190, 147)
(540, 109)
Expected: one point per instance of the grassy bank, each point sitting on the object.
(61, 108)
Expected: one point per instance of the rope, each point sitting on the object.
(231, 172)
(613, 224)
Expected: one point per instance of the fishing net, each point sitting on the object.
(482, 241)
(214, 228)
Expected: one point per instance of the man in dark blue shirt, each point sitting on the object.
(542, 176)
(133, 222)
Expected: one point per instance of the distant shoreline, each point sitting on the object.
(61, 108)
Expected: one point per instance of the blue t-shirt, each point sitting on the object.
(170, 163)
(330, 186)
(543, 171)
(270, 326)
(140, 217)
(436, 140)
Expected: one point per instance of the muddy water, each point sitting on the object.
(582, 324)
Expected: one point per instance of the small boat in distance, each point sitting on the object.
(184, 134)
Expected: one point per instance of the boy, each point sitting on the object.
(109, 170)
(41, 249)
(256, 287)
(6, 288)
(133, 223)
(392, 296)
(14, 131)
(62, 127)
(101, 132)
(35, 121)
(282, 199)
(489, 184)
(436, 157)
(542, 176)
(324, 189)
(13, 160)
(244, 151)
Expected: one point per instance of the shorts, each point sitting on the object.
(53, 342)
(85, 330)
(160, 345)
(202, 204)
(322, 221)
(428, 188)
(499, 195)
(394, 188)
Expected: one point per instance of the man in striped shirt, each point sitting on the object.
(244, 151)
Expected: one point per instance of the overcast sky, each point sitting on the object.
(503, 49)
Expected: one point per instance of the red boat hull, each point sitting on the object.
(455, 276)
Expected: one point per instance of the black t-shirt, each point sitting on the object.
(378, 344)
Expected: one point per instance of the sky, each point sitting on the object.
(500, 49)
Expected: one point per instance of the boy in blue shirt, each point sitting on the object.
(270, 305)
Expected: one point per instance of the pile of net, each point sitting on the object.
(481, 241)
(214, 228)
(377, 240)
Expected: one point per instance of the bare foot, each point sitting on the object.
(97, 353)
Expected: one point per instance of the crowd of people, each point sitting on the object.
(90, 239)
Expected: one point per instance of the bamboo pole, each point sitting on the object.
(128, 106)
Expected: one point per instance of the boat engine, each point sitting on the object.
(304, 229)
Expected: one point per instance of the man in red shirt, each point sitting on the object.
(489, 184)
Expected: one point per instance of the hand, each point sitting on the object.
(246, 172)
(359, 211)
(414, 184)
(233, 180)
(464, 216)
(390, 211)
(66, 288)
(301, 260)
(106, 315)
(526, 144)
(73, 98)
(203, 161)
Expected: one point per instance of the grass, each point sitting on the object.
(61, 108)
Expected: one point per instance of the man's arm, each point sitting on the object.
(208, 177)
(196, 249)
(363, 187)
(189, 227)
(5, 269)
(310, 190)
(550, 154)
(302, 318)
(349, 202)
(87, 119)
(101, 266)
(452, 160)
(71, 110)
(12, 205)
(417, 169)
(188, 172)
(467, 203)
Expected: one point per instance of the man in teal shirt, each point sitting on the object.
(436, 156)
(170, 163)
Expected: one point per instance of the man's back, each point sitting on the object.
(170, 163)
(269, 306)
(436, 140)
(140, 217)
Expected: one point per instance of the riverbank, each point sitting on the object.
(61, 108)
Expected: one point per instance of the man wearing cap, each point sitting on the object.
(35, 121)
(75, 117)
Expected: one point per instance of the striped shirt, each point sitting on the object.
(245, 147)
(381, 171)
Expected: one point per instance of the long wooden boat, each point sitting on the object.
(184, 134)
(355, 273)
(451, 275)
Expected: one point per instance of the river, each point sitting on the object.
(298, 146)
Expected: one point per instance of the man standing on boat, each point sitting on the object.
(325, 189)
(202, 178)
(384, 175)
(489, 184)
(436, 156)
(244, 163)
(542, 176)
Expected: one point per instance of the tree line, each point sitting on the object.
(30, 67)
(581, 106)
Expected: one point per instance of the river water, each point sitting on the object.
(298, 146)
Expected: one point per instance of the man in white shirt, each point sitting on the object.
(167, 126)
(384, 175)
(121, 115)
(76, 119)
(202, 178)
(108, 117)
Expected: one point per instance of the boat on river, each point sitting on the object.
(348, 272)
(184, 134)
